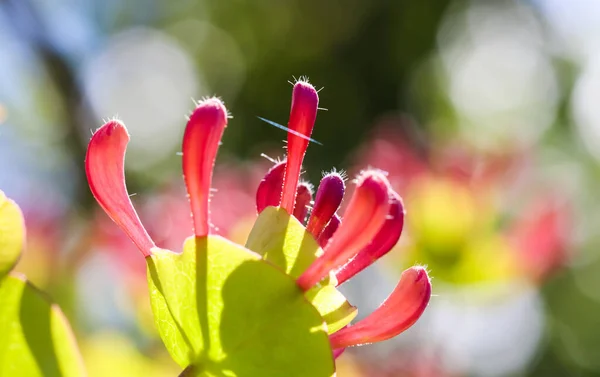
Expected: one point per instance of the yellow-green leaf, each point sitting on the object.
(35, 337)
(282, 239)
(12, 234)
(333, 306)
(223, 311)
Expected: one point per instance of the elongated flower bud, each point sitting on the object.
(365, 215)
(104, 167)
(329, 230)
(384, 241)
(397, 313)
(201, 140)
(269, 189)
(303, 199)
(328, 199)
(305, 101)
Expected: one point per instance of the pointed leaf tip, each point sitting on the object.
(105, 170)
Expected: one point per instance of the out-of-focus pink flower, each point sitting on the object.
(481, 180)
(541, 236)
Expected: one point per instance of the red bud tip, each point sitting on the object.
(384, 241)
(329, 230)
(365, 215)
(305, 101)
(397, 313)
(328, 199)
(269, 189)
(201, 140)
(303, 198)
(105, 170)
(338, 352)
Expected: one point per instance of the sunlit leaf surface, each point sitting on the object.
(282, 240)
(12, 234)
(35, 337)
(222, 311)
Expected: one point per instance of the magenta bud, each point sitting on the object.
(329, 230)
(304, 195)
(201, 140)
(303, 114)
(397, 313)
(328, 199)
(365, 215)
(338, 352)
(105, 170)
(384, 241)
(269, 188)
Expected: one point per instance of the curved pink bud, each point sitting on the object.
(304, 194)
(397, 313)
(384, 241)
(365, 215)
(329, 230)
(305, 101)
(270, 187)
(329, 197)
(105, 170)
(201, 140)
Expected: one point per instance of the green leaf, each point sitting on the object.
(223, 311)
(282, 240)
(333, 307)
(12, 234)
(35, 339)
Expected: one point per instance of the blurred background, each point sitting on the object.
(484, 113)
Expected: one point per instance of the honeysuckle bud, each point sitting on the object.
(270, 187)
(201, 139)
(383, 242)
(328, 199)
(372, 224)
(329, 230)
(397, 313)
(365, 215)
(104, 167)
(338, 352)
(304, 194)
(305, 101)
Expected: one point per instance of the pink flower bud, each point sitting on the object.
(201, 140)
(329, 197)
(397, 313)
(305, 101)
(329, 230)
(104, 167)
(384, 241)
(303, 199)
(338, 352)
(269, 189)
(365, 215)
